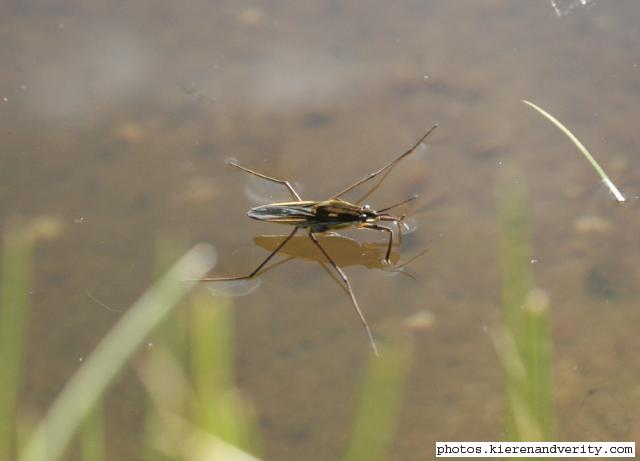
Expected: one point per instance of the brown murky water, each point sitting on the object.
(118, 117)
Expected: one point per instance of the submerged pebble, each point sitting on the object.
(129, 132)
(251, 15)
(587, 224)
(420, 321)
(200, 190)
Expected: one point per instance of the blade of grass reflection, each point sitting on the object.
(85, 388)
(376, 417)
(524, 345)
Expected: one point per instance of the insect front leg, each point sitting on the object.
(382, 229)
(287, 184)
(344, 278)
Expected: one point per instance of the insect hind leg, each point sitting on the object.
(257, 269)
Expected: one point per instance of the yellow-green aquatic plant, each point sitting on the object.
(17, 254)
(379, 404)
(524, 345)
(194, 411)
(87, 385)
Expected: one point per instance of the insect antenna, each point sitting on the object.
(406, 263)
(413, 197)
(401, 269)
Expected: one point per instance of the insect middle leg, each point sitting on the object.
(344, 278)
(287, 184)
(257, 269)
(388, 166)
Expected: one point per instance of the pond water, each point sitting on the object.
(118, 119)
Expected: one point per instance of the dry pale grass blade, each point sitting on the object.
(614, 190)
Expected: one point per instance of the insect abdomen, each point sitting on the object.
(320, 216)
(297, 213)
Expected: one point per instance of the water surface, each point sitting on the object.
(118, 118)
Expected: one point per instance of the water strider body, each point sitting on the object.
(322, 216)
(319, 216)
(327, 215)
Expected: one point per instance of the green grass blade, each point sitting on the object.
(174, 329)
(14, 315)
(212, 360)
(524, 345)
(376, 417)
(172, 333)
(92, 436)
(219, 408)
(614, 190)
(87, 385)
